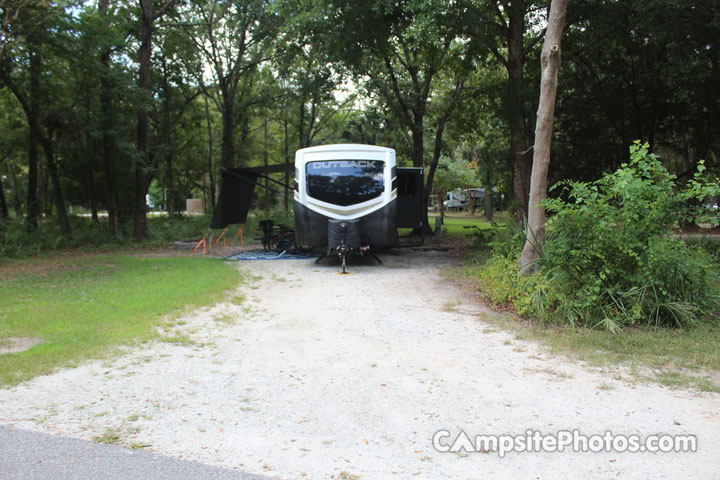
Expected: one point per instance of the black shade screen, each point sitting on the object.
(235, 197)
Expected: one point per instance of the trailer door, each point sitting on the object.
(409, 197)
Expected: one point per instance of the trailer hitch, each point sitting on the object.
(342, 250)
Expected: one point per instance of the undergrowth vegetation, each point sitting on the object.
(17, 242)
(611, 260)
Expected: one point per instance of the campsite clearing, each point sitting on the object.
(304, 373)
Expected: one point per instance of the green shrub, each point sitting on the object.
(497, 280)
(17, 242)
(610, 259)
(509, 242)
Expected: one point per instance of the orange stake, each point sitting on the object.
(239, 234)
(222, 235)
(202, 242)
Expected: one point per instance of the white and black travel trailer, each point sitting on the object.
(345, 184)
(348, 198)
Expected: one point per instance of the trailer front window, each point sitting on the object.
(345, 182)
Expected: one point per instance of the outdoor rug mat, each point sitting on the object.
(263, 255)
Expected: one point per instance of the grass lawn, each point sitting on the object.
(683, 358)
(461, 224)
(674, 357)
(84, 306)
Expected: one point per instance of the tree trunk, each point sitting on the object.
(107, 126)
(88, 178)
(523, 168)
(417, 153)
(170, 186)
(33, 206)
(265, 160)
(167, 141)
(211, 168)
(57, 186)
(243, 153)
(437, 150)
(550, 64)
(441, 204)
(471, 202)
(228, 150)
(111, 201)
(142, 186)
(145, 165)
(93, 200)
(519, 141)
(488, 211)
(17, 204)
(44, 199)
(419, 150)
(287, 162)
(514, 32)
(228, 118)
(301, 125)
(142, 163)
(4, 213)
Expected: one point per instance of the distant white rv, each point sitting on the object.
(456, 199)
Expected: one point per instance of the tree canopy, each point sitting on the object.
(103, 103)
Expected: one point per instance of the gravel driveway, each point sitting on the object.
(317, 375)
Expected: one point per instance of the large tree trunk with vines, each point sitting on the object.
(519, 137)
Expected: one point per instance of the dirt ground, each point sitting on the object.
(17, 344)
(304, 373)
